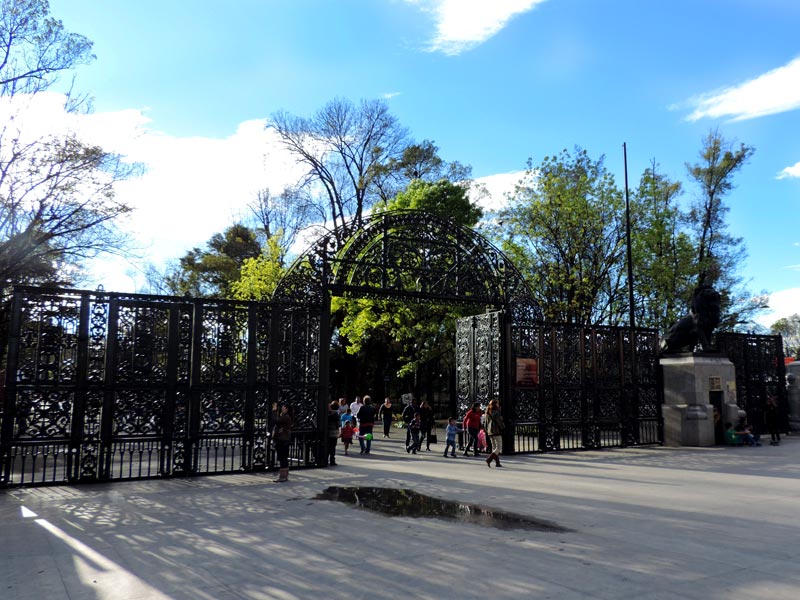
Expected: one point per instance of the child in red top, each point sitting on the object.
(347, 435)
(472, 423)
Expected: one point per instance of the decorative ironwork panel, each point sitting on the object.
(570, 405)
(261, 430)
(222, 411)
(478, 355)
(142, 344)
(605, 356)
(180, 434)
(262, 342)
(487, 351)
(223, 344)
(43, 414)
(91, 437)
(464, 368)
(138, 413)
(567, 355)
(760, 373)
(608, 405)
(48, 340)
(296, 352)
(98, 333)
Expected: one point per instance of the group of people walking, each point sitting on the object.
(492, 425)
(356, 420)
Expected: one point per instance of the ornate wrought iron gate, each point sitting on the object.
(563, 387)
(104, 386)
(479, 351)
(760, 373)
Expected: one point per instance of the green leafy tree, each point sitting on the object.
(789, 329)
(418, 162)
(663, 253)
(444, 198)
(211, 272)
(260, 275)
(564, 228)
(718, 254)
(404, 338)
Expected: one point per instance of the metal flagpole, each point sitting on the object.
(633, 404)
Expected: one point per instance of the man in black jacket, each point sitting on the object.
(366, 421)
(408, 416)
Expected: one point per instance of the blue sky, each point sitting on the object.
(186, 87)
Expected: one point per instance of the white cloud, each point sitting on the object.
(496, 188)
(793, 171)
(192, 188)
(390, 95)
(773, 92)
(782, 304)
(463, 24)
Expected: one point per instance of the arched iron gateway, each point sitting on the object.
(104, 386)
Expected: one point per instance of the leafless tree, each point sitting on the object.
(57, 201)
(281, 216)
(343, 147)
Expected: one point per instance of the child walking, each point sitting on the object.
(347, 435)
(450, 434)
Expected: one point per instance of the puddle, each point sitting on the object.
(408, 503)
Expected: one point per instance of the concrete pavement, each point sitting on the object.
(645, 523)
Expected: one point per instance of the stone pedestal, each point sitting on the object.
(793, 378)
(691, 382)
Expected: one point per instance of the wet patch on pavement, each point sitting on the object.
(408, 503)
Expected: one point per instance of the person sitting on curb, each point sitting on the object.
(743, 430)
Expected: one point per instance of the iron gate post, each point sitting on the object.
(168, 424)
(506, 377)
(191, 444)
(275, 352)
(10, 391)
(323, 374)
(250, 399)
(79, 398)
(104, 464)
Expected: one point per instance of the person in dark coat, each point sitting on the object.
(333, 432)
(494, 429)
(426, 425)
(282, 435)
(408, 416)
(772, 417)
(386, 412)
(366, 421)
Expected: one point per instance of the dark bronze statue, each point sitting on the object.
(697, 326)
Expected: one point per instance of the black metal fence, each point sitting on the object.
(103, 386)
(760, 373)
(565, 387)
